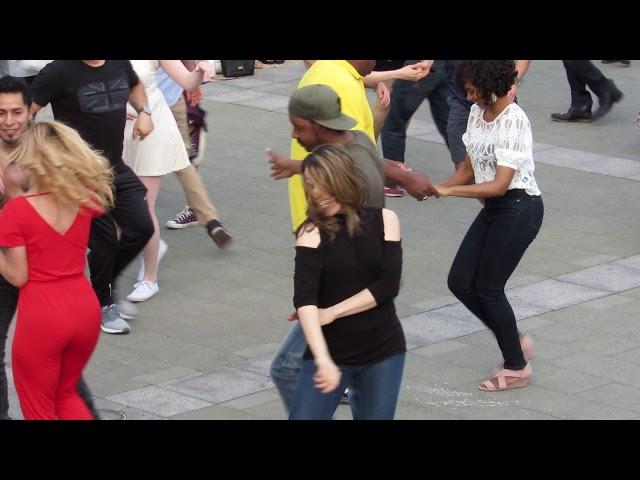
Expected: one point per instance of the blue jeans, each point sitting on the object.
(373, 391)
(456, 126)
(286, 366)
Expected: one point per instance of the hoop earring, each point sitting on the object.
(494, 98)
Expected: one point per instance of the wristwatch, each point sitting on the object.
(145, 109)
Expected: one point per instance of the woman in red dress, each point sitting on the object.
(45, 234)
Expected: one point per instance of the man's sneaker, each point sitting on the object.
(127, 310)
(219, 235)
(161, 251)
(186, 218)
(112, 322)
(393, 192)
(143, 291)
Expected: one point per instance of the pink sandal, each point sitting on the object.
(526, 344)
(507, 379)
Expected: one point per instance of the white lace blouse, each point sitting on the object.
(506, 141)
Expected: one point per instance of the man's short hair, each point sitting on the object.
(9, 84)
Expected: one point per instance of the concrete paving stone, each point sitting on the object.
(589, 363)
(537, 147)
(563, 380)
(484, 338)
(567, 158)
(253, 399)
(549, 350)
(440, 348)
(474, 358)
(428, 328)
(260, 350)
(459, 312)
(543, 400)
(519, 280)
(431, 371)
(406, 411)
(614, 278)
(220, 385)
(280, 88)
(632, 356)
(108, 410)
(531, 323)
(599, 411)
(259, 365)
(604, 344)
(211, 89)
(447, 398)
(630, 262)
(561, 333)
(163, 376)
(282, 75)
(249, 82)
(436, 302)
(522, 309)
(616, 167)
(273, 410)
(625, 374)
(553, 294)
(215, 412)
(158, 401)
(237, 96)
(270, 102)
(617, 395)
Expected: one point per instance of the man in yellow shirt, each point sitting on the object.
(346, 77)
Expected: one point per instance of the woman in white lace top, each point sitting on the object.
(498, 170)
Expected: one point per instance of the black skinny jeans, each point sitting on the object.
(110, 255)
(488, 255)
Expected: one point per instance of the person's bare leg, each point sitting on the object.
(150, 251)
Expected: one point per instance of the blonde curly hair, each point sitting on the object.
(59, 161)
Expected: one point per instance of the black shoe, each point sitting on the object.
(611, 96)
(218, 234)
(626, 63)
(580, 113)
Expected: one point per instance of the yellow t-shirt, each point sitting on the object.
(349, 85)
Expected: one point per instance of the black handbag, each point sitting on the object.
(237, 68)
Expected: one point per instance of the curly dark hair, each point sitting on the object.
(488, 76)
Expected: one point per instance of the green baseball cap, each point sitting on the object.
(320, 104)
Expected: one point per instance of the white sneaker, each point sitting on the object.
(161, 251)
(143, 291)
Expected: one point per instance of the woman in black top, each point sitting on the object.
(347, 273)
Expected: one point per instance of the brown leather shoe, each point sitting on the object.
(580, 113)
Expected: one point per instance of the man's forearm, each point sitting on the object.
(138, 97)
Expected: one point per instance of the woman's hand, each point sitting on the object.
(208, 72)
(443, 191)
(384, 94)
(327, 376)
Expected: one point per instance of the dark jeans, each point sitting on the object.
(8, 304)
(488, 255)
(406, 97)
(109, 256)
(373, 391)
(456, 127)
(583, 73)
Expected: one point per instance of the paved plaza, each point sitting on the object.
(201, 349)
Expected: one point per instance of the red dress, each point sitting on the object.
(59, 316)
